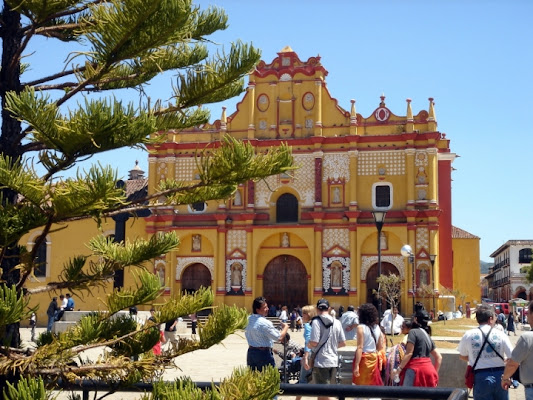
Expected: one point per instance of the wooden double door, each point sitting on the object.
(195, 276)
(372, 284)
(285, 282)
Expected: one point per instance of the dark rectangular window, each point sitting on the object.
(40, 261)
(525, 256)
(383, 196)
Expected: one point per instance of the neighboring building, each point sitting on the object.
(296, 238)
(506, 279)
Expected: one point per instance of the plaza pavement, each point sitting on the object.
(217, 362)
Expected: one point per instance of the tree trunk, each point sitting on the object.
(10, 145)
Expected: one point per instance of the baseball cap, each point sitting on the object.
(322, 304)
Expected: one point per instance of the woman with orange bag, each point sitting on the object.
(369, 356)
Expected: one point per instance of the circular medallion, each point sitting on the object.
(382, 114)
(263, 102)
(308, 101)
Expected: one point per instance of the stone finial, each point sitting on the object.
(353, 114)
(409, 110)
(431, 116)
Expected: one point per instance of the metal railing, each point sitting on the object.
(341, 392)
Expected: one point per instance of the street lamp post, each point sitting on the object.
(432, 258)
(407, 251)
(379, 219)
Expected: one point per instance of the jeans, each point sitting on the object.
(529, 393)
(257, 359)
(487, 386)
(50, 323)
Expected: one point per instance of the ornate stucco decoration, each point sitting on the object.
(336, 275)
(303, 183)
(336, 166)
(236, 239)
(333, 237)
(236, 270)
(185, 168)
(183, 262)
(369, 162)
(368, 261)
(422, 238)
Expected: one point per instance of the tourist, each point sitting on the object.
(477, 347)
(511, 323)
(261, 334)
(170, 334)
(349, 322)
(308, 313)
(522, 356)
(392, 322)
(416, 368)
(367, 363)
(70, 303)
(51, 312)
(327, 336)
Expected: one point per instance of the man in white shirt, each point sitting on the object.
(392, 322)
(490, 364)
(327, 336)
(349, 321)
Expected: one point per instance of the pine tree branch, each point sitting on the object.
(54, 76)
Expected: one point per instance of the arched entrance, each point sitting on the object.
(371, 283)
(285, 282)
(194, 276)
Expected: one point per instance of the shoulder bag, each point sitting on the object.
(315, 352)
(516, 374)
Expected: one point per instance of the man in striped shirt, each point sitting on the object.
(261, 334)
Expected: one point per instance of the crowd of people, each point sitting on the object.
(55, 311)
(414, 362)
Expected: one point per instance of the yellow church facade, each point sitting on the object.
(310, 234)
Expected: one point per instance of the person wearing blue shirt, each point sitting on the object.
(261, 334)
(308, 313)
(70, 303)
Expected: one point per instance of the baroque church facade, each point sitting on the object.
(309, 234)
(298, 237)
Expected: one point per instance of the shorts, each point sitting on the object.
(324, 376)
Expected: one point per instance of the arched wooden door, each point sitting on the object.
(285, 282)
(194, 276)
(371, 283)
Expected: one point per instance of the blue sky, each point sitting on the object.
(474, 58)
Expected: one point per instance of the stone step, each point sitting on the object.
(71, 318)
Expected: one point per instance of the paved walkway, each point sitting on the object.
(217, 362)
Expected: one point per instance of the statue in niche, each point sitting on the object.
(421, 194)
(336, 274)
(383, 241)
(236, 274)
(161, 274)
(285, 240)
(424, 276)
(336, 195)
(237, 200)
(196, 242)
(421, 176)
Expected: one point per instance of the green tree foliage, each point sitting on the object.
(390, 288)
(58, 119)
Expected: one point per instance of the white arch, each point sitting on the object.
(368, 261)
(184, 262)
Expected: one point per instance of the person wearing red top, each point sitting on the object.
(416, 368)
